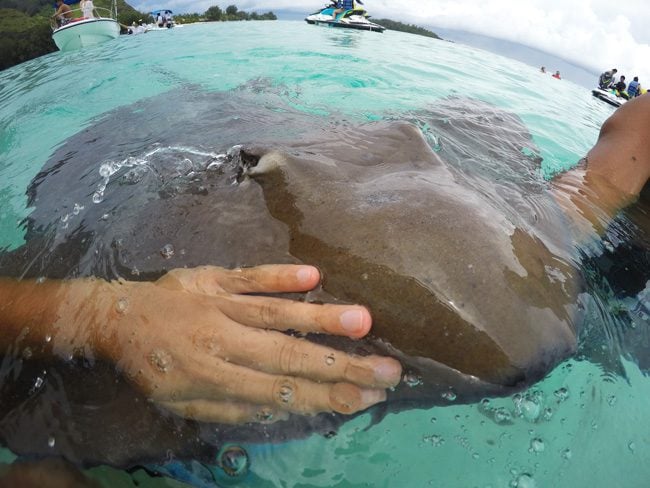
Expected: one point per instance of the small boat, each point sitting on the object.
(166, 19)
(608, 97)
(88, 27)
(355, 18)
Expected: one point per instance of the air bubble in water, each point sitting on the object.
(330, 359)
(51, 441)
(525, 481)
(167, 251)
(98, 197)
(233, 460)
(537, 445)
(561, 394)
(122, 305)
(567, 454)
(611, 400)
(412, 380)
(450, 396)
(434, 440)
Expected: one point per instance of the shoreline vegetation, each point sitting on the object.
(25, 31)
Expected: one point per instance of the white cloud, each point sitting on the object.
(598, 34)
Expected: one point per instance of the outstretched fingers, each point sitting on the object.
(277, 353)
(280, 314)
(271, 278)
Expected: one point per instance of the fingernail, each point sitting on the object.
(388, 372)
(306, 274)
(352, 321)
(371, 397)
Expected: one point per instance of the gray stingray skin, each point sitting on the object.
(473, 291)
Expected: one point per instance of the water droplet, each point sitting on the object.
(548, 414)
(40, 279)
(77, 208)
(330, 359)
(285, 393)
(51, 441)
(233, 460)
(27, 352)
(631, 446)
(525, 481)
(561, 394)
(364, 276)
(502, 416)
(167, 251)
(611, 400)
(161, 360)
(48, 338)
(412, 380)
(433, 420)
(264, 415)
(434, 440)
(98, 197)
(475, 455)
(38, 383)
(537, 445)
(122, 305)
(567, 454)
(450, 396)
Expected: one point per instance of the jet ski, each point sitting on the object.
(356, 18)
(608, 97)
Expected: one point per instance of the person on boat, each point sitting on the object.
(620, 88)
(542, 69)
(556, 75)
(343, 6)
(634, 88)
(199, 316)
(606, 79)
(63, 13)
(87, 8)
(160, 20)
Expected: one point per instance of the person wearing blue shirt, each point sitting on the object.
(633, 89)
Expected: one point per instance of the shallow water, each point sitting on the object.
(584, 425)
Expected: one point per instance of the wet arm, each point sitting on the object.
(616, 170)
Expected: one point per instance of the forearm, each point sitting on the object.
(48, 317)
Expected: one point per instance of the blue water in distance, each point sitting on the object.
(578, 427)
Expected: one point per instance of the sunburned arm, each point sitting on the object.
(616, 170)
(198, 345)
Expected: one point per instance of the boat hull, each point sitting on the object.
(83, 33)
(608, 97)
(348, 20)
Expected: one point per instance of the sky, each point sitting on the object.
(595, 34)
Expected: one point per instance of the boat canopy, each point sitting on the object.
(161, 11)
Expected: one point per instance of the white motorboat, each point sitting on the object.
(356, 18)
(608, 97)
(91, 27)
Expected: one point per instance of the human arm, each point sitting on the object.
(197, 345)
(616, 170)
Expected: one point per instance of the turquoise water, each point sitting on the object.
(581, 426)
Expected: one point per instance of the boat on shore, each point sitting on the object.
(356, 18)
(88, 27)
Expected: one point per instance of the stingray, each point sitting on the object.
(438, 221)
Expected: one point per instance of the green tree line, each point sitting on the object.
(412, 29)
(25, 31)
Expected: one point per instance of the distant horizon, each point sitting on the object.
(531, 56)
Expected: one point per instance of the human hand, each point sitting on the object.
(197, 345)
